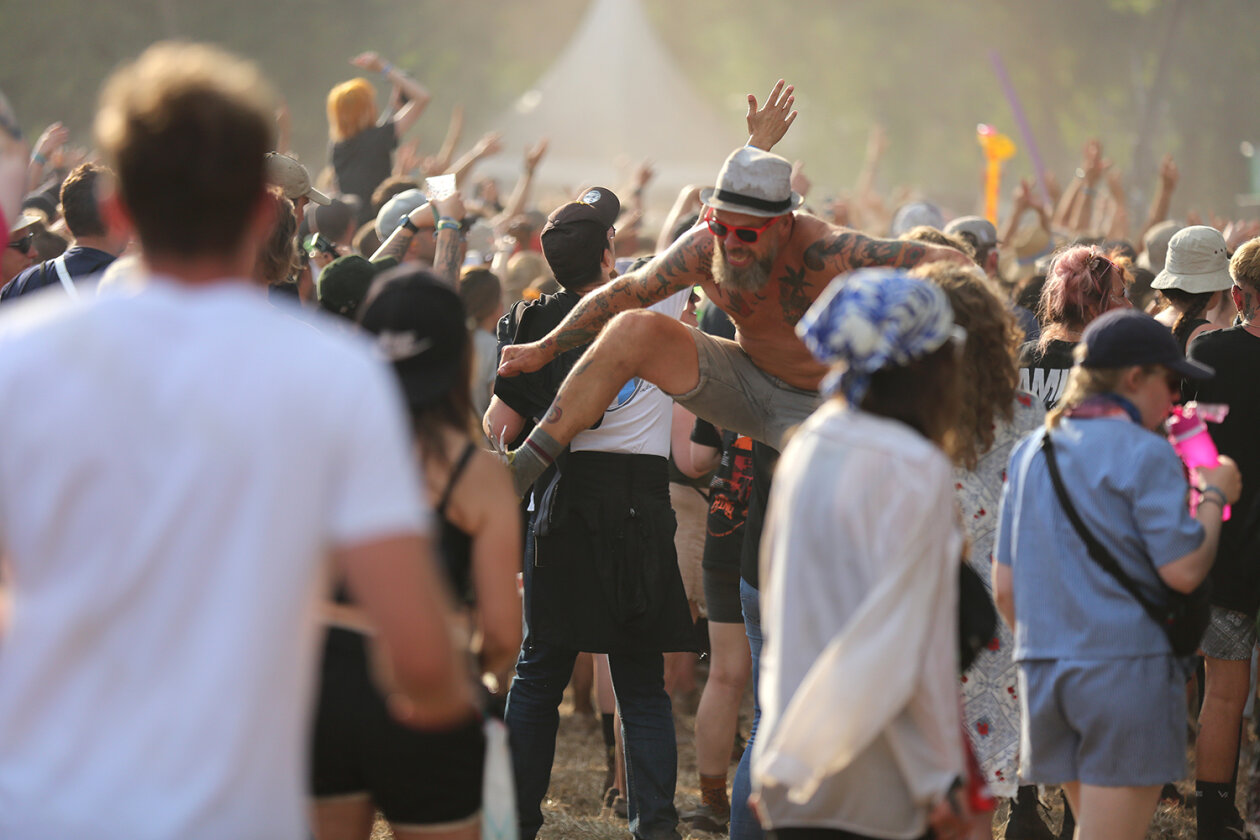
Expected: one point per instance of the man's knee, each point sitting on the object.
(641, 329)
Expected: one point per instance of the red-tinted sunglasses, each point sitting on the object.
(743, 234)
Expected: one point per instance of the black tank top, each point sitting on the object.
(455, 545)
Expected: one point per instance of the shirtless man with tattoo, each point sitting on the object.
(760, 261)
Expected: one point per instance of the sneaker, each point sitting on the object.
(1026, 824)
(704, 818)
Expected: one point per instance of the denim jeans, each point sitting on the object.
(744, 825)
(647, 730)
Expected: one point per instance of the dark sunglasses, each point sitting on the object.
(23, 245)
(743, 234)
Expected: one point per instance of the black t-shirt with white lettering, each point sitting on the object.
(1044, 374)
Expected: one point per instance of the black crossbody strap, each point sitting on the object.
(1101, 556)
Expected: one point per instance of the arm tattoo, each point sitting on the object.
(673, 271)
(847, 251)
(446, 262)
(553, 414)
(395, 246)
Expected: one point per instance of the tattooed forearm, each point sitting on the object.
(663, 276)
(395, 246)
(447, 261)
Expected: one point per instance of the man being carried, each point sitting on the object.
(760, 261)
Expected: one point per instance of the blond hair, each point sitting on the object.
(351, 108)
(1244, 266)
(1082, 384)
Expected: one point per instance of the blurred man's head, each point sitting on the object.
(186, 128)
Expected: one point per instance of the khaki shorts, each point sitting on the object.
(736, 395)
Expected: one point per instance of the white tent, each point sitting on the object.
(612, 99)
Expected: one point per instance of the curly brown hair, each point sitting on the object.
(989, 359)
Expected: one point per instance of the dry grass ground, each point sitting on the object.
(572, 808)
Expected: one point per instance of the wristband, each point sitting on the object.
(410, 225)
(1219, 494)
(446, 223)
(40, 159)
(386, 68)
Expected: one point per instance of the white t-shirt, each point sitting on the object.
(177, 466)
(637, 422)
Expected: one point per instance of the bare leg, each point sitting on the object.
(1113, 813)
(582, 681)
(640, 343)
(718, 714)
(1224, 696)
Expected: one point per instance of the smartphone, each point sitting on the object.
(318, 242)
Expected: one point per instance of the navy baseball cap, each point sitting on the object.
(1126, 337)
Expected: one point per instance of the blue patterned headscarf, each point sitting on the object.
(872, 319)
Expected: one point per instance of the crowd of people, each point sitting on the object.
(328, 480)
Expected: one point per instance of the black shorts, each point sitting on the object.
(415, 778)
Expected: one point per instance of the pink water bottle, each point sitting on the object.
(1187, 431)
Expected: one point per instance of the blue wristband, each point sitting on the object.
(386, 68)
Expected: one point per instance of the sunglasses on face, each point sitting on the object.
(743, 234)
(23, 245)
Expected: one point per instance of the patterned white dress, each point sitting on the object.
(990, 702)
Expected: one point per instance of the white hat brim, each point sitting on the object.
(1195, 284)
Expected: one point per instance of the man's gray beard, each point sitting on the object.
(749, 278)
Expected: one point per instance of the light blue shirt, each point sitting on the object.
(1129, 489)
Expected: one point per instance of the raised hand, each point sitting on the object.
(643, 174)
(1094, 164)
(488, 145)
(768, 124)
(369, 61)
(53, 138)
(1168, 174)
(534, 154)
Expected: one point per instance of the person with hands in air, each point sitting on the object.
(758, 260)
(412, 228)
(360, 147)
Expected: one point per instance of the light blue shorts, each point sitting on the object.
(1105, 722)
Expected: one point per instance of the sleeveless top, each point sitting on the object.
(455, 545)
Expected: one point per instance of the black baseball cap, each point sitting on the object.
(576, 236)
(420, 328)
(343, 284)
(1126, 337)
